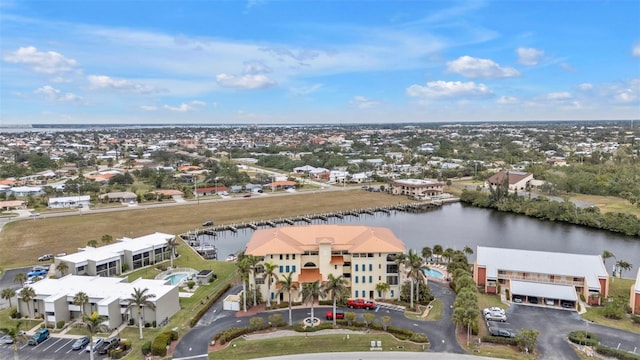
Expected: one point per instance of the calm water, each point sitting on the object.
(457, 226)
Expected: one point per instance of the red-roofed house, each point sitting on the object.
(517, 179)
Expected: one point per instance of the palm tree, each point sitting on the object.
(27, 294)
(447, 254)
(414, 266)
(138, 299)
(242, 266)
(623, 265)
(310, 291)
(92, 243)
(252, 262)
(93, 323)
(400, 260)
(7, 294)
(171, 245)
(426, 253)
(81, 299)
(437, 250)
(107, 239)
(270, 274)
(467, 250)
(16, 335)
(606, 255)
(287, 284)
(20, 278)
(383, 288)
(334, 287)
(62, 267)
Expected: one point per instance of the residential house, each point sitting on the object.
(69, 202)
(634, 298)
(417, 188)
(518, 180)
(121, 197)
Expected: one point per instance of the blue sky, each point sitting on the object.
(259, 61)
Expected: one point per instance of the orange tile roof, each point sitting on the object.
(337, 260)
(309, 275)
(282, 183)
(298, 239)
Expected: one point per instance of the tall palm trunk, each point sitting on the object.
(244, 295)
(140, 321)
(411, 296)
(334, 311)
(290, 320)
(269, 291)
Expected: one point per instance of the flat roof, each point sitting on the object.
(111, 251)
(547, 291)
(98, 287)
(591, 267)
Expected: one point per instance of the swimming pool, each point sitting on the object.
(176, 278)
(433, 273)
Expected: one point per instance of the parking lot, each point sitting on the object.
(54, 348)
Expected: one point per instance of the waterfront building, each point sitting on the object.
(364, 255)
(534, 276)
(634, 298)
(518, 180)
(417, 188)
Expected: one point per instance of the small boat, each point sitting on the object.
(232, 257)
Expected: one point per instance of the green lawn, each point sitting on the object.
(618, 288)
(437, 309)
(249, 349)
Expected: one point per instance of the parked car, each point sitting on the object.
(45, 257)
(39, 272)
(495, 317)
(96, 343)
(80, 343)
(501, 332)
(567, 305)
(493, 310)
(550, 302)
(533, 300)
(339, 314)
(517, 299)
(6, 340)
(108, 344)
(39, 268)
(40, 336)
(246, 195)
(361, 304)
(207, 223)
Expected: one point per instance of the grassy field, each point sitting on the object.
(618, 288)
(250, 349)
(31, 238)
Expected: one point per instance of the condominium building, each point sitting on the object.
(417, 188)
(531, 276)
(634, 298)
(124, 255)
(106, 295)
(364, 255)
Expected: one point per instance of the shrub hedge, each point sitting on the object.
(159, 344)
(582, 338)
(499, 340)
(615, 353)
(208, 304)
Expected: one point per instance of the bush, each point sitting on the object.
(615, 353)
(207, 306)
(499, 340)
(146, 347)
(132, 321)
(14, 313)
(125, 344)
(276, 320)
(159, 344)
(116, 353)
(400, 333)
(582, 338)
(230, 334)
(419, 338)
(636, 319)
(60, 324)
(191, 284)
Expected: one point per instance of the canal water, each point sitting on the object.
(456, 226)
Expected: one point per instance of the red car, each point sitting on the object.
(339, 315)
(361, 304)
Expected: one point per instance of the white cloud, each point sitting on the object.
(449, 89)
(504, 100)
(49, 62)
(53, 94)
(362, 102)
(256, 67)
(635, 51)
(473, 68)
(557, 96)
(106, 82)
(585, 87)
(247, 81)
(305, 90)
(148, 108)
(529, 56)
(184, 107)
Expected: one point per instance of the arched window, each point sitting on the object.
(310, 264)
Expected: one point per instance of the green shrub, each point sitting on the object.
(582, 338)
(191, 284)
(116, 353)
(419, 338)
(276, 320)
(159, 344)
(636, 319)
(125, 344)
(60, 324)
(227, 335)
(615, 353)
(14, 313)
(146, 347)
(582, 298)
(499, 340)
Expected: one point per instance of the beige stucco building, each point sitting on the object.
(417, 188)
(364, 255)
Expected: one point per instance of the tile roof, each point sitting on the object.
(298, 239)
(309, 275)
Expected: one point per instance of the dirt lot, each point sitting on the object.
(23, 241)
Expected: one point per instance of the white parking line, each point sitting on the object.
(48, 347)
(63, 345)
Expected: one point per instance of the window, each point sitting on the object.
(379, 266)
(356, 292)
(392, 268)
(356, 267)
(356, 282)
(259, 281)
(379, 278)
(370, 279)
(280, 256)
(293, 268)
(280, 268)
(335, 267)
(288, 269)
(392, 280)
(392, 293)
(294, 256)
(364, 279)
(287, 256)
(370, 267)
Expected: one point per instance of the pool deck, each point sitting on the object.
(440, 268)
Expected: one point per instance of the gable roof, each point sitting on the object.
(514, 177)
(298, 239)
